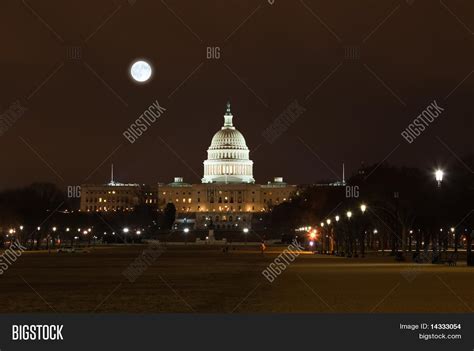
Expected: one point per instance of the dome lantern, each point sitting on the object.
(228, 117)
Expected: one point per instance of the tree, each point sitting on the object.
(169, 216)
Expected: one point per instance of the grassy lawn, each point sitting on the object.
(206, 280)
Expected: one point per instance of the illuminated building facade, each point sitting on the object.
(228, 196)
(115, 196)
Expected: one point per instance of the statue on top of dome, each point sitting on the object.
(228, 118)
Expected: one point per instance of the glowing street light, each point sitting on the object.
(363, 208)
(328, 221)
(337, 218)
(186, 231)
(54, 229)
(126, 230)
(439, 177)
(246, 231)
(375, 231)
(138, 232)
(21, 227)
(322, 224)
(349, 214)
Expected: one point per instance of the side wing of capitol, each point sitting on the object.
(227, 198)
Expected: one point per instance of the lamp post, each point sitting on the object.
(38, 241)
(53, 237)
(85, 232)
(186, 231)
(363, 208)
(329, 246)
(439, 175)
(456, 239)
(375, 240)
(125, 231)
(246, 231)
(322, 237)
(349, 215)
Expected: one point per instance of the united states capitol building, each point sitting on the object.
(226, 198)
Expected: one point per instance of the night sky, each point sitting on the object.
(411, 53)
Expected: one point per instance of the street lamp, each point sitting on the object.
(186, 231)
(439, 177)
(363, 208)
(349, 214)
(125, 230)
(337, 218)
(328, 243)
(246, 231)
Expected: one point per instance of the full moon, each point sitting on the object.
(141, 71)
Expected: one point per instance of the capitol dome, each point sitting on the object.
(228, 156)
